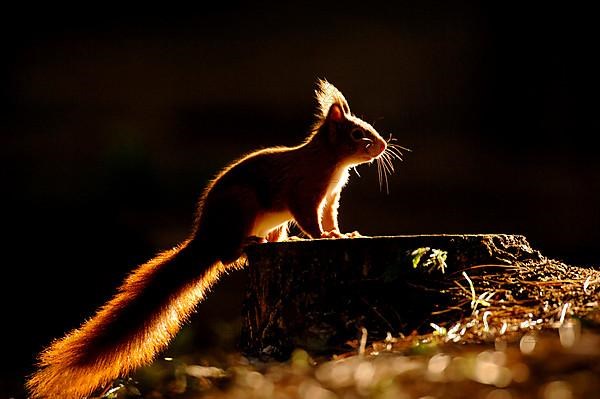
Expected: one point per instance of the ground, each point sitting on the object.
(528, 329)
(552, 364)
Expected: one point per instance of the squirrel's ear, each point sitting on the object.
(336, 113)
(329, 97)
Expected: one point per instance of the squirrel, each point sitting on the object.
(252, 200)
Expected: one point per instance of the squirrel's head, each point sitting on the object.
(352, 140)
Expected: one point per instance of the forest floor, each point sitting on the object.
(550, 364)
(523, 331)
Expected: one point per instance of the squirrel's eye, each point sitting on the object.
(357, 134)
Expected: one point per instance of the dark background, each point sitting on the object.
(114, 119)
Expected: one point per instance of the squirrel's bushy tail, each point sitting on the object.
(130, 329)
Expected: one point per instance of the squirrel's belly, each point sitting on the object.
(267, 221)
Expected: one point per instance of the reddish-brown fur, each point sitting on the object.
(254, 197)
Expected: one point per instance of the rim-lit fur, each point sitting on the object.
(256, 196)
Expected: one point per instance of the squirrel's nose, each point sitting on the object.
(378, 147)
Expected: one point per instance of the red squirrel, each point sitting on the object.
(251, 200)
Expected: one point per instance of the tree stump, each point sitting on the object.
(318, 294)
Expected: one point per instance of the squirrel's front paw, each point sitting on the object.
(332, 234)
(337, 234)
(354, 234)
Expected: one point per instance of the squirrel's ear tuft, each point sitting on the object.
(328, 96)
